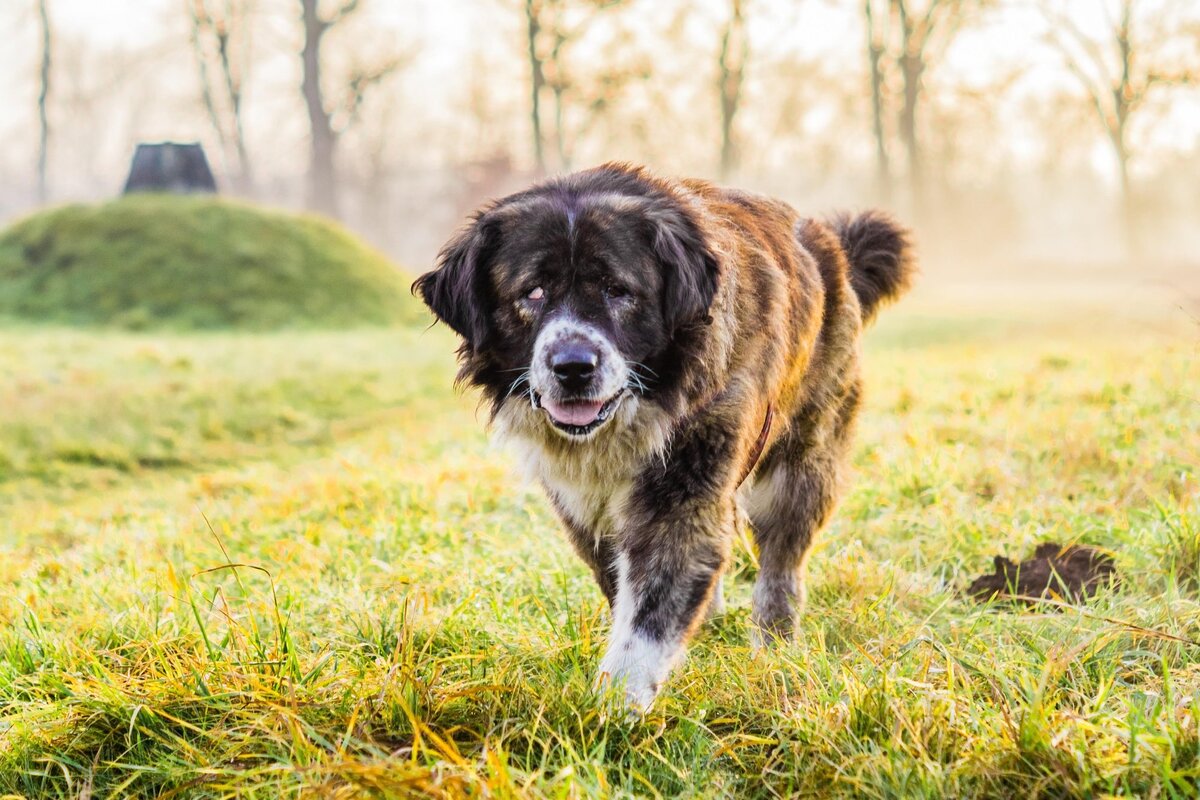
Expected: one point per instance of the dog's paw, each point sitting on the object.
(763, 637)
(759, 641)
(634, 670)
(624, 698)
(633, 691)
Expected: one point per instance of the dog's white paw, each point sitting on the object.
(758, 641)
(637, 668)
(631, 699)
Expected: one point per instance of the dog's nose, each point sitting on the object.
(574, 365)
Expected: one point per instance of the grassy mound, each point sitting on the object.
(160, 261)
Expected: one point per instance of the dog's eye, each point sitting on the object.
(536, 296)
(615, 292)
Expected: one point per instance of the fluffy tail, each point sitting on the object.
(882, 263)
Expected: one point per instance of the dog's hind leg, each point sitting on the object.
(790, 505)
(792, 498)
(716, 604)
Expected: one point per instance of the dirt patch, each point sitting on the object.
(1058, 572)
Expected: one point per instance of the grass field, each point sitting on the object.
(404, 618)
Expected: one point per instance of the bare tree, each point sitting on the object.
(537, 80)
(731, 74)
(324, 117)
(43, 153)
(1118, 71)
(221, 40)
(876, 36)
(552, 26)
(904, 39)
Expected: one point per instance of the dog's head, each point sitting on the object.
(575, 294)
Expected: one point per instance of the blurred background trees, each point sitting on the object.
(904, 39)
(43, 98)
(731, 76)
(221, 38)
(329, 120)
(555, 29)
(1140, 46)
(1013, 131)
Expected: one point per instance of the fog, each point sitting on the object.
(1008, 168)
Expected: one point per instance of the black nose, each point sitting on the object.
(574, 365)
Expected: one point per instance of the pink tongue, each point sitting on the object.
(576, 413)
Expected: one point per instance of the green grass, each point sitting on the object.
(407, 619)
(194, 263)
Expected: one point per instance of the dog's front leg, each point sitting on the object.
(666, 574)
(671, 551)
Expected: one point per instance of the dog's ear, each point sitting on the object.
(457, 291)
(690, 269)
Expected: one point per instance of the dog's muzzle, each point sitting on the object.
(577, 376)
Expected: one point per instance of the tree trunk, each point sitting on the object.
(43, 154)
(322, 174)
(875, 51)
(912, 66)
(537, 79)
(244, 180)
(1125, 202)
(560, 133)
(731, 73)
(1122, 96)
(200, 24)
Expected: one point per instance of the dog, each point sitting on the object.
(669, 357)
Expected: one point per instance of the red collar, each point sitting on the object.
(759, 444)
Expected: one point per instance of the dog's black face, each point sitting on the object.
(579, 305)
(574, 295)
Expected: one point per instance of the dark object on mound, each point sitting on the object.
(1072, 573)
(170, 167)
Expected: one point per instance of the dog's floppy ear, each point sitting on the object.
(457, 290)
(690, 269)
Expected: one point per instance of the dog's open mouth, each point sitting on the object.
(578, 417)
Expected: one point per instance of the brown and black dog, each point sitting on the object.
(666, 356)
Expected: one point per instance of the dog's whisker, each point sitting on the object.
(640, 368)
(643, 379)
(640, 379)
(522, 378)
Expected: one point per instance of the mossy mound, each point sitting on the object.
(189, 263)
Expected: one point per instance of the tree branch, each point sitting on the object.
(347, 8)
(1097, 92)
(1081, 40)
(360, 82)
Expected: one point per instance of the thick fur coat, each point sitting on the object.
(668, 357)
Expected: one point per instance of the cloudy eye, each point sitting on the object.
(615, 292)
(536, 296)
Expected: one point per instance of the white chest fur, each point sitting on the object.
(590, 479)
